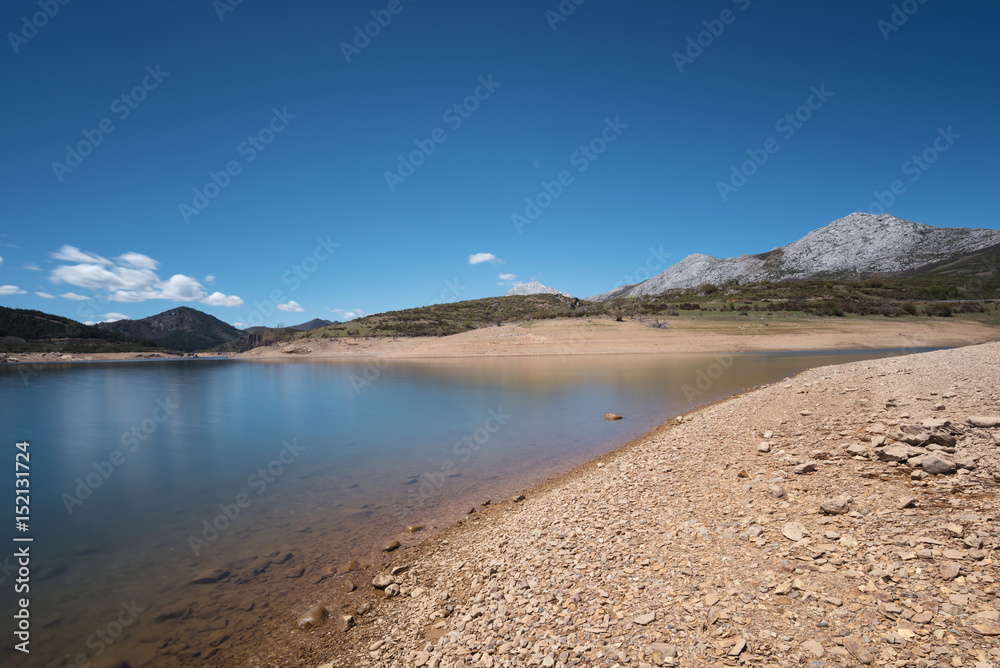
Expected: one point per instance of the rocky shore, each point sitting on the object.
(846, 516)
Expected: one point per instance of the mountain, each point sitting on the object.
(533, 288)
(315, 323)
(860, 242)
(18, 326)
(181, 328)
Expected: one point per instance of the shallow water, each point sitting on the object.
(133, 463)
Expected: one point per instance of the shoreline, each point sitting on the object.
(567, 337)
(466, 582)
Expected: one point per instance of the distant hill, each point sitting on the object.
(182, 328)
(860, 243)
(533, 288)
(315, 323)
(36, 330)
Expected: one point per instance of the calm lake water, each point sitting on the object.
(133, 463)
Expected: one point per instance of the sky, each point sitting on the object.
(270, 163)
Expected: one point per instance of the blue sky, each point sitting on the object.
(242, 157)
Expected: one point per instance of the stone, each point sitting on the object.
(314, 618)
(663, 649)
(956, 530)
(392, 590)
(854, 646)
(837, 506)
(518, 498)
(807, 467)
(390, 547)
(897, 453)
(813, 648)
(984, 421)
(936, 465)
(764, 447)
(857, 450)
(612, 416)
(776, 491)
(414, 528)
(741, 644)
(643, 620)
(907, 502)
(345, 622)
(793, 531)
(210, 576)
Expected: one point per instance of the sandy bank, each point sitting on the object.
(576, 336)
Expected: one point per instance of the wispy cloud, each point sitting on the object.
(45, 295)
(130, 277)
(10, 290)
(74, 296)
(31, 266)
(347, 314)
(292, 306)
(479, 258)
(508, 277)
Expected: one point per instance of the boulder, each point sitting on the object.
(936, 466)
(984, 421)
(837, 506)
(315, 617)
(612, 416)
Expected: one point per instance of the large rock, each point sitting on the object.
(382, 580)
(984, 421)
(838, 506)
(315, 617)
(793, 531)
(210, 576)
(897, 453)
(936, 466)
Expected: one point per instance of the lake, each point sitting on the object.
(143, 475)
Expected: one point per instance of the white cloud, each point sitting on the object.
(210, 279)
(10, 290)
(479, 258)
(347, 314)
(508, 277)
(292, 306)
(45, 295)
(219, 299)
(31, 266)
(115, 317)
(237, 325)
(130, 278)
(138, 260)
(1, 260)
(73, 296)
(74, 254)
